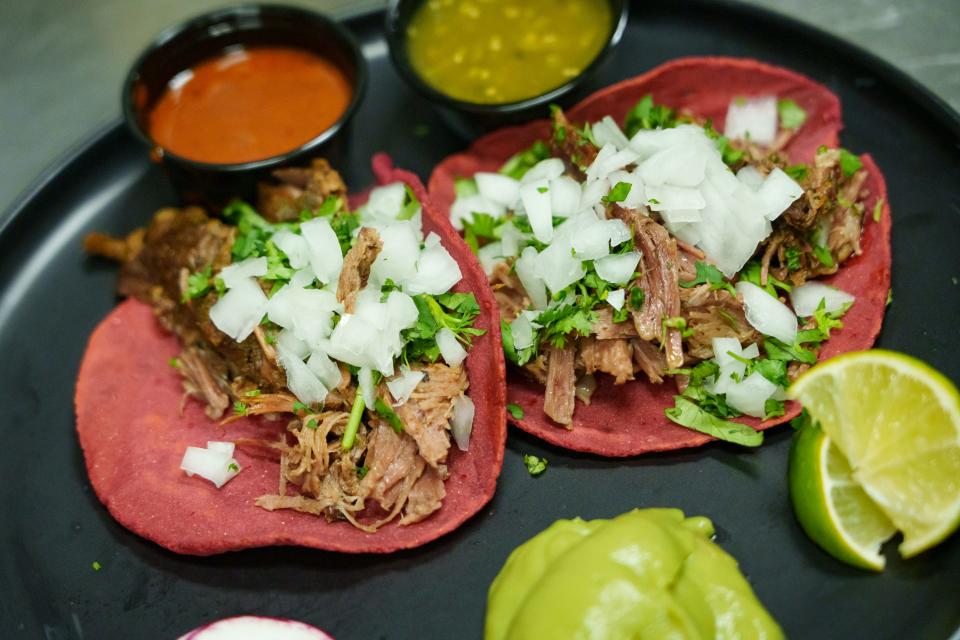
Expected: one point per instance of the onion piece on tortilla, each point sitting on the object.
(461, 422)
(766, 314)
(752, 118)
(807, 297)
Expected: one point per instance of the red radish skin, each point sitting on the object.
(251, 627)
(629, 420)
(133, 436)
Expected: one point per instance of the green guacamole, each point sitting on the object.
(649, 573)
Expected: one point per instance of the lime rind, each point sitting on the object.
(897, 421)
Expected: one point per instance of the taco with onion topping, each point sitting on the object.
(305, 372)
(671, 252)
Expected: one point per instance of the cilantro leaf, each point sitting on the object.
(773, 408)
(619, 192)
(535, 465)
(515, 410)
(198, 284)
(647, 115)
(518, 165)
(823, 255)
(687, 414)
(709, 274)
(751, 273)
(792, 115)
(565, 319)
(796, 171)
(240, 408)
(635, 298)
(792, 256)
(849, 163)
(362, 471)
(777, 350)
(730, 154)
(521, 357)
(878, 210)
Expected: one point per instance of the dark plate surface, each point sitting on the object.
(53, 527)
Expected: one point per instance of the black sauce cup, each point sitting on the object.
(471, 119)
(183, 46)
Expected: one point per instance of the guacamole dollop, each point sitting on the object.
(649, 573)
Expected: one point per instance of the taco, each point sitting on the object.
(660, 282)
(307, 373)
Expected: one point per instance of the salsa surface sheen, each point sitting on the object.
(249, 104)
(498, 51)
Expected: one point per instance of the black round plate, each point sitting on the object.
(54, 528)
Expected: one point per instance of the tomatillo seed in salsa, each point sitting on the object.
(249, 104)
(498, 51)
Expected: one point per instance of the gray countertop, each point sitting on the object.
(62, 61)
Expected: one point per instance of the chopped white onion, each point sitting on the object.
(498, 188)
(616, 298)
(537, 203)
(750, 176)
(681, 165)
(437, 271)
(397, 259)
(751, 394)
(807, 297)
(238, 312)
(666, 196)
(778, 192)
(325, 369)
(301, 380)
(608, 160)
(510, 239)
(753, 118)
(326, 259)
(526, 266)
(682, 216)
(464, 208)
(565, 195)
(636, 197)
(308, 313)
(592, 193)
(607, 131)
(290, 343)
(490, 255)
(385, 202)
(731, 369)
(618, 268)
(294, 246)
(211, 464)
(557, 267)
(521, 330)
(240, 271)
(450, 348)
(766, 314)
(403, 384)
(461, 423)
(547, 169)
(226, 448)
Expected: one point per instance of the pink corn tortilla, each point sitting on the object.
(628, 420)
(133, 436)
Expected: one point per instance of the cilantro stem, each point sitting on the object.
(356, 413)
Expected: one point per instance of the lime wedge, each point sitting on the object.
(833, 510)
(897, 422)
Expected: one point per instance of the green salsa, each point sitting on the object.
(497, 51)
(647, 574)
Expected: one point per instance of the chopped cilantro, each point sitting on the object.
(455, 311)
(678, 323)
(521, 357)
(751, 273)
(174, 362)
(773, 408)
(198, 284)
(410, 204)
(849, 163)
(647, 115)
(253, 393)
(535, 465)
(635, 298)
(299, 407)
(585, 136)
(240, 408)
(311, 423)
(518, 165)
(386, 412)
(233, 466)
(482, 225)
(792, 115)
(730, 154)
(653, 201)
(792, 256)
(515, 410)
(823, 255)
(709, 274)
(96, 565)
(621, 314)
(465, 187)
(362, 471)
(796, 171)
(270, 338)
(890, 295)
(219, 285)
(878, 210)
(565, 319)
(688, 414)
(542, 189)
(619, 192)
(777, 350)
